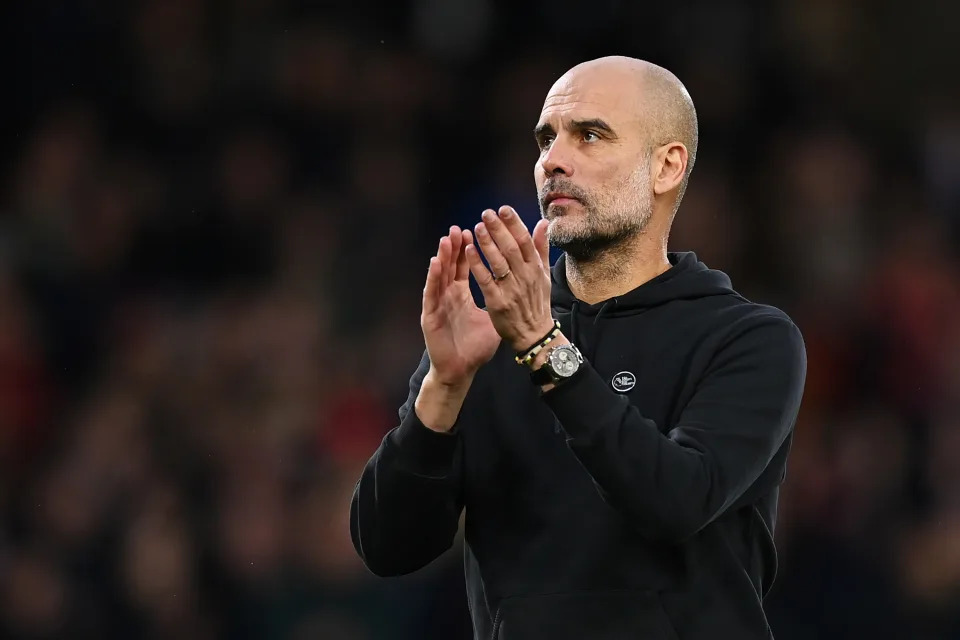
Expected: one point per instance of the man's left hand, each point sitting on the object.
(516, 287)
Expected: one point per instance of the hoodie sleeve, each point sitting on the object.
(672, 485)
(406, 506)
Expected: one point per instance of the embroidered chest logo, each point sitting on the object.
(623, 381)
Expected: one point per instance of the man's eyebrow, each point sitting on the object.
(542, 130)
(593, 123)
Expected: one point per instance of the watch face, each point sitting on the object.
(564, 361)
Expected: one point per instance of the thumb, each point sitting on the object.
(541, 243)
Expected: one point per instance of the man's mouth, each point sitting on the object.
(559, 199)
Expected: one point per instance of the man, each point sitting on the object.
(622, 482)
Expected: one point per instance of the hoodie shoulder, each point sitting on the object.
(750, 310)
(764, 325)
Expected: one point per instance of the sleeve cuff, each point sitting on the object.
(584, 404)
(421, 450)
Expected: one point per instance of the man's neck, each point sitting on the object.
(618, 270)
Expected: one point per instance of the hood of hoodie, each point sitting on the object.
(687, 279)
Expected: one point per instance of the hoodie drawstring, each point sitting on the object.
(592, 351)
(573, 322)
(589, 350)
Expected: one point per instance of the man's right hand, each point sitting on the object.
(459, 336)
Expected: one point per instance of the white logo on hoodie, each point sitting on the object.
(623, 381)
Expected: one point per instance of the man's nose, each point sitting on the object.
(557, 160)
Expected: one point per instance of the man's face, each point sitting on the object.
(593, 148)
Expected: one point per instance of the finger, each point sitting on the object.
(431, 292)
(511, 220)
(541, 242)
(481, 274)
(443, 258)
(463, 267)
(456, 243)
(498, 264)
(505, 243)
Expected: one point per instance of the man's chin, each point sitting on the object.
(559, 232)
(564, 224)
(558, 209)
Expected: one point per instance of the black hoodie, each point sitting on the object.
(637, 500)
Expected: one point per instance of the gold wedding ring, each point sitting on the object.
(497, 278)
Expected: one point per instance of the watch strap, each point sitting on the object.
(543, 375)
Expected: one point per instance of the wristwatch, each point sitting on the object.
(563, 362)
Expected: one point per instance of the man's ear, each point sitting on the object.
(670, 165)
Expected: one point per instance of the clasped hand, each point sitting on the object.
(516, 286)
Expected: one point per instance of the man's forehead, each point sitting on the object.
(590, 96)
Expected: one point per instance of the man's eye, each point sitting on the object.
(546, 141)
(590, 136)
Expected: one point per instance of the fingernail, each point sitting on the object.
(505, 213)
(486, 215)
(481, 230)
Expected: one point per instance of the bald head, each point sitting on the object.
(663, 106)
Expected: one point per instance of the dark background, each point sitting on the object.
(215, 223)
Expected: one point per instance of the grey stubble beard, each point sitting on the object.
(616, 220)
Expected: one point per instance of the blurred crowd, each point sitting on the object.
(215, 225)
